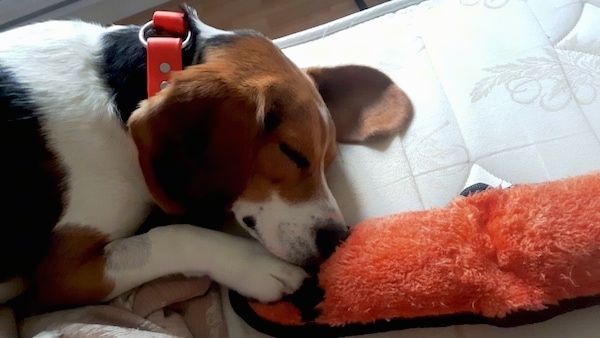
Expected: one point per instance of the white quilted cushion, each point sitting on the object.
(511, 85)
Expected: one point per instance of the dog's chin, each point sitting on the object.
(284, 249)
(308, 261)
(300, 258)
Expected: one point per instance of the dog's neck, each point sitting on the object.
(123, 66)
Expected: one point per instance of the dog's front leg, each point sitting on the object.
(82, 269)
(238, 263)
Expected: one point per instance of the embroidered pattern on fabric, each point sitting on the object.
(553, 81)
(493, 4)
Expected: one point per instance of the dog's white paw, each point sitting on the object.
(270, 279)
(265, 277)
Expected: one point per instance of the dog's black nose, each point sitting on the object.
(249, 221)
(329, 237)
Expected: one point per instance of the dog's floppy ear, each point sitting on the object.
(363, 102)
(197, 117)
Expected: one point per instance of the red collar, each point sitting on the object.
(164, 53)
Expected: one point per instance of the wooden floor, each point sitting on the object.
(274, 18)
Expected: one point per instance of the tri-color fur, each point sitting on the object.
(240, 130)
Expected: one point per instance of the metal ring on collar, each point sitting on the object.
(147, 25)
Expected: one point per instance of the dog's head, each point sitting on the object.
(248, 131)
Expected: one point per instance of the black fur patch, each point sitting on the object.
(123, 67)
(123, 62)
(32, 181)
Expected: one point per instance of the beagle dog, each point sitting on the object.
(241, 130)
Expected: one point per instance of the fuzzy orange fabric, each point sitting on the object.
(492, 253)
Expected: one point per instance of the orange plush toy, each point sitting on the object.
(490, 257)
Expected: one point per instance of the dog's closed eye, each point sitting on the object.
(272, 121)
(295, 156)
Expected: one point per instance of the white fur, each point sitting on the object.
(239, 263)
(325, 115)
(288, 229)
(57, 60)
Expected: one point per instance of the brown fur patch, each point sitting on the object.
(73, 271)
(363, 102)
(294, 101)
(391, 113)
(202, 142)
